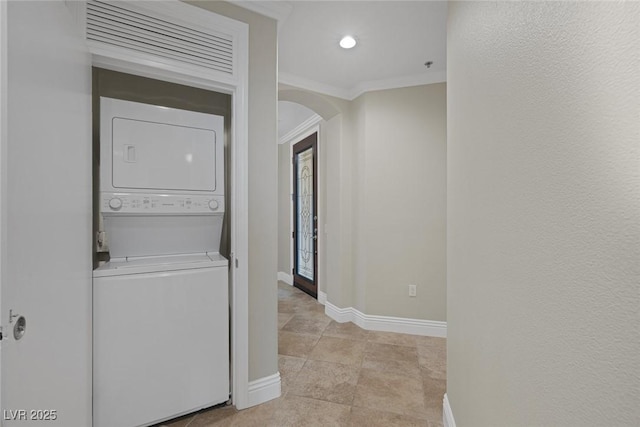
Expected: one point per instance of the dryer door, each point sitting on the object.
(158, 156)
(149, 148)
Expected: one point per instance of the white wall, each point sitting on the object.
(543, 214)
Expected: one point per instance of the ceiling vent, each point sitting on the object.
(122, 25)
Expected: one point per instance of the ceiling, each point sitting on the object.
(395, 39)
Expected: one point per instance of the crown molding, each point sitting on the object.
(312, 85)
(398, 82)
(311, 121)
(364, 87)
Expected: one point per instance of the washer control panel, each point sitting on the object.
(158, 204)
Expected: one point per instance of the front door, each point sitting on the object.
(45, 258)
(305, 215)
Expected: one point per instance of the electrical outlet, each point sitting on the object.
(412, 290)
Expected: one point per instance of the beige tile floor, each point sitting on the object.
(337, 374)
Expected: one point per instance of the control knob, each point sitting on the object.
(213, 205)
(115, 203)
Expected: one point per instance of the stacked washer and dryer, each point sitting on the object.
(160, 305)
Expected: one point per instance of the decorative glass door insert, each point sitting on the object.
(305, 215)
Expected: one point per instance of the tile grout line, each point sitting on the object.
(191, 420)
(392, 340)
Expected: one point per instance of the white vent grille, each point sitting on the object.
(119, 24)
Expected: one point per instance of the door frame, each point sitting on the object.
(3, 154)
(315, 128)
(239, 220)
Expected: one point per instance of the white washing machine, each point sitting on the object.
(160, 305)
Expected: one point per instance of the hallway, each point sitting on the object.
(337, 374)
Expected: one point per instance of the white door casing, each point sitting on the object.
(45, 260)
(132, 62)
(3, 157)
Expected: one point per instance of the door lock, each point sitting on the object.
(12, 316)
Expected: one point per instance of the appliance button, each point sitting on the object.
(115, 203)
(213, 205)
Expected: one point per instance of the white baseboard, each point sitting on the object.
(264, 389)
(447, 415)
(340, 315)
(286, 278)
(322, 297)
(430, 328)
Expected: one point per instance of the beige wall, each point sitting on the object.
(263, 186)
(335, 262)
(284, 209)
(543, 214)
(383, 180)
(402, 202)
(358, 154)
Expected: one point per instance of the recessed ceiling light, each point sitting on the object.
(347, 42)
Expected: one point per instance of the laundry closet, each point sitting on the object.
(161, 249)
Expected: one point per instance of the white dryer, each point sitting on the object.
(160, 305)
